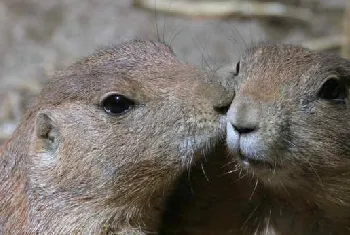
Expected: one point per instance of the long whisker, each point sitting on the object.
(317, 175)
(268, 224)
(282, 185)
(205, 175)
(256, 185)
(250, 215)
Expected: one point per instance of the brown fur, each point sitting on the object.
(70, 168)
(206, 201)
(301, 140)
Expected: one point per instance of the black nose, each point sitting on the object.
(223, 103)
(222, 109)
(244, 130)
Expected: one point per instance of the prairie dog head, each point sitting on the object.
(112, 132)
(290, 120)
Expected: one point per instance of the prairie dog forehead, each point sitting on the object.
(270, 70)
(128, 58)
(137, 69)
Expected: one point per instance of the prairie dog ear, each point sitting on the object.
(47, 136)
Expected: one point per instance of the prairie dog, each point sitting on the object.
(289, 128)
(100, 148)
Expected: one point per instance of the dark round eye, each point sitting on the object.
(334, 90)
(116, 104)
(236, 71)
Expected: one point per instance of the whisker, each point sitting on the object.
(240, 177)
(250, 215)
(257, 228)
(203, 57)
(268, 224)
(256, 185)
(282, 185)
(205, 175)
(317, 175)
(172, 38)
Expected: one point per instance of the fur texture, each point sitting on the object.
(71, 168)
(293, 140)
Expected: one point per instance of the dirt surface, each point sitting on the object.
(39, 36)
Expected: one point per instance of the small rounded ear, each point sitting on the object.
(47, 136)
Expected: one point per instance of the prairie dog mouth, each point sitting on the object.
(256, 164)
(248, 150)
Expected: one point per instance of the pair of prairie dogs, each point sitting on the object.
(132, 141)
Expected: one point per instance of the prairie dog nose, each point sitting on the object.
(222, 99)
(243, 116)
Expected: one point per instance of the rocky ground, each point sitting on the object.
(39, 36)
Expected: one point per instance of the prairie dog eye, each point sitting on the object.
(333, 90)
(236, 69)
(116, 104)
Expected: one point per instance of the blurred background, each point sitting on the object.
(39, 36)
